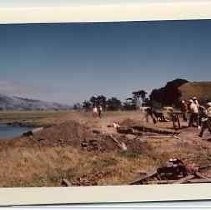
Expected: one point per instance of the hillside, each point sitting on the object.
(18, 103)
(201, 90)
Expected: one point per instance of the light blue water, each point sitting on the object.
(10, 131)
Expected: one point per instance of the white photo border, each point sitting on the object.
(185, 10)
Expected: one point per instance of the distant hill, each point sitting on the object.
(18, 103)
(201, 90)
(176, 90)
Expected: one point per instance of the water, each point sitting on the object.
(10, 131)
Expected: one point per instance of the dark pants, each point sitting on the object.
(184, 116)
(99, 113)
(193, 119)
(150, 113)
(205, 125)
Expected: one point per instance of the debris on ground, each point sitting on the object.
(32, 132)
(90, 179)
(131, 126)
(174, 172)
(121, 145)
(65, 183)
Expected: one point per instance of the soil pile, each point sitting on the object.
(73, 133)
(68, 133)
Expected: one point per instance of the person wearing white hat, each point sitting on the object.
(206, 121)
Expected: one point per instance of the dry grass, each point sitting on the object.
(46, 166)
(46, 118)
(24, 163)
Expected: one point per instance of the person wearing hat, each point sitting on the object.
(206, 121)
(194, 112)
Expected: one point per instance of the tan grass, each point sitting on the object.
(24, 163)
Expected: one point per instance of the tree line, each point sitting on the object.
(113, 103)
(169, 95)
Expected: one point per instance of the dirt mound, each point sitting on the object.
(85, 138)
(68, 133)
(75, 134)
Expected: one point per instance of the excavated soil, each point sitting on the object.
(81, 136)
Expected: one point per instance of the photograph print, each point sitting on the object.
(98, 104)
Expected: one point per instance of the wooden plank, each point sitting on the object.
(191, 181)
(194, 181)
(161, 182)
(121, 145)
(65, 183)
(184, 179)
(198, 174)
(145, 178)
(205, 167)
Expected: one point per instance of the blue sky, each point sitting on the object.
(70, 62)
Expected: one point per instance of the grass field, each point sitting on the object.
(34, 118)
(30, 162)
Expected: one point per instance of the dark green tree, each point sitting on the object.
(98, 100)
(129, 104)
(86, 105)
(113, 104)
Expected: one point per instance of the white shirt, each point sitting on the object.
(196, 102)
(194, 108)
(95, 109)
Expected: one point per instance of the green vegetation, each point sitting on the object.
(31, 118)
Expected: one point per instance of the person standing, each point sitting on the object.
(150, 112)
(195, 100)
(194, 112)
(100, 110)
(202, 114)
(206, 120)
(94, 111)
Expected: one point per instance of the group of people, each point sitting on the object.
(199, 116)
(97, 111)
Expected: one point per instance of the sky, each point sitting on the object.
(69, 63)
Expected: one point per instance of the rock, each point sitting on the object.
(96, 131)
(28, 133)
(32, 132)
